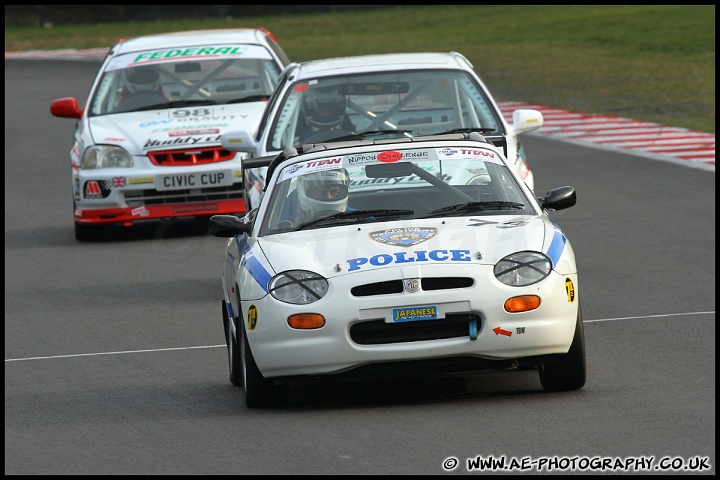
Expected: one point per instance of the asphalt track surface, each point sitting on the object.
(115, 363)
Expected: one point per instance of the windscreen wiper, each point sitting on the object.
(468, 130)
(471, 207)
(369, 133)
(357, 215)
(175, 104)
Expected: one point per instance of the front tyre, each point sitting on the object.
(87, 233)
(568, 373)
(259, 391)
(234, 363)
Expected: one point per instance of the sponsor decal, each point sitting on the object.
(118, 182)
(404, 237)
(200, 131)
(199, 52)
(467, 154)
(570, 290)
(141, 180)
(361, 159)
(252, 317)
(415, 313)
(196, 208)
(418, 256)
(181, 141)
(97, 188)
(389, 156)
(311, 166)
(114, 139)
(139, 212)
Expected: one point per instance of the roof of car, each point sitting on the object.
(193, 38)
(387, 61)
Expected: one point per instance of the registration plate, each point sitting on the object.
(184, 181)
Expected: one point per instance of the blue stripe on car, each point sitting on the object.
(557, 245)
(254, 268)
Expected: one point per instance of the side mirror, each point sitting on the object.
(559, 198)
(66, 108)
(240, 141)
(526, 120)
(227, 226)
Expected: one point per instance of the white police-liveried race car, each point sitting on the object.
(147, 142)
(419, 255)
(394, 95)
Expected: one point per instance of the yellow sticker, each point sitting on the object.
(570, 290)
(252, 317)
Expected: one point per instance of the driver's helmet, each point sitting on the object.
(142, 79)
(324, 107)
(326, 190)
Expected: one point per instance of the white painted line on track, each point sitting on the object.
(224, 346)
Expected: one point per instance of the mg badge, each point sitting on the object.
(412, 285)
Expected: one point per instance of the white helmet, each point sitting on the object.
(142, 79)
(326, 190)
(324, 107)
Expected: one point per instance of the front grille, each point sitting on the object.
(396, 286)
(196, 156)
(155, 197)
(378, 332)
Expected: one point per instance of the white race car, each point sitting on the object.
(147, 143)
(417, 255)
(399, 95)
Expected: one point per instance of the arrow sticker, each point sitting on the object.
(500, 331)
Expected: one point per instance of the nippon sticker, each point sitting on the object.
(404, 237)
(448, 153)
(311, 166)
(429, 312)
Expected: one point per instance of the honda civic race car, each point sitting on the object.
(413, 256)
(147, 142)
(398, 95)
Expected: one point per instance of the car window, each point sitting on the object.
(423, 181)
(422, 102)
(146, 79)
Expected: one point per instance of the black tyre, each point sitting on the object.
(259, 391)
(86, 233)
(233, 348)
(568, 373)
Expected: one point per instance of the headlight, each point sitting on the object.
(299, 287)
(522, 268)
(105, 156)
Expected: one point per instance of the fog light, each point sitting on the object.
(523, 303)
(306, 321)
